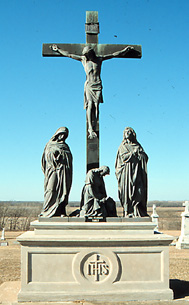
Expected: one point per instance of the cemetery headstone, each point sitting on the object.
(183, 241)
(155, 218)
(3, 242)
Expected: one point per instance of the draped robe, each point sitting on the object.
(93, 195)
(131, 173)
(57, 168)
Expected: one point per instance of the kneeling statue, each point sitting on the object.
(94, 201)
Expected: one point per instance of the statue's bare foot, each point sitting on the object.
(128, 215)
(92, 134)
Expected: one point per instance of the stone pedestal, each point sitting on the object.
(68, 259)
(183, 242)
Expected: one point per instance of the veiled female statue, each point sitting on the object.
(94, 200)
(57, 168)
(131, 173)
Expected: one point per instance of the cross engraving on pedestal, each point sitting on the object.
(92, 54)
(98, 268)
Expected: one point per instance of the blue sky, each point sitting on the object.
(38, 94)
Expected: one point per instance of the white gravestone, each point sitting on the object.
(3, 242)
(3, 234)
(183, 242)
(155, 217)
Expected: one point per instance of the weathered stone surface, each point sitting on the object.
(118, 261)
(183, 242)
(94, 200)
(57, 169)
(3, 234)
(100, 49)
(92, 55)
(3, 243)
(131, 173)
(155, 217)
(93, 85)
(9, 291)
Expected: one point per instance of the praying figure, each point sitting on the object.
(94, 200)
(57, 168)
(93, 84)
(131, 173)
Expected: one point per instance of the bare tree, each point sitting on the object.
(15, 215)
(4, 215)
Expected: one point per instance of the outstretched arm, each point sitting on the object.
(118, 53)
(55, 48)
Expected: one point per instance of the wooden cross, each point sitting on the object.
(92, 31)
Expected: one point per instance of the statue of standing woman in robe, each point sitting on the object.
(57, 168)
(93, 85)
(131, 173)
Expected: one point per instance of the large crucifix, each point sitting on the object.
(92, 54)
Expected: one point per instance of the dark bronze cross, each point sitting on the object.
(92, 31)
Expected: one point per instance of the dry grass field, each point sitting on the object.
(169, 223)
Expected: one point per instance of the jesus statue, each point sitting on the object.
(93, 84)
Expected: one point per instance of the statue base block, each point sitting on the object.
(183, 242)
(3, 243)
(68, 259)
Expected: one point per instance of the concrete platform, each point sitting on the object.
(94, 262)
(9, 291)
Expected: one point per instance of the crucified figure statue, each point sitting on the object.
(93, 84)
